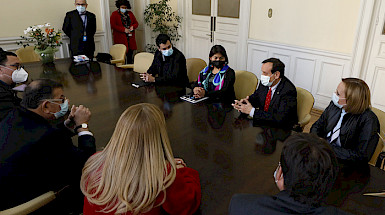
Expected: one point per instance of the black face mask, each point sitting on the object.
(218, 64)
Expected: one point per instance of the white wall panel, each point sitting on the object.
(304, 70)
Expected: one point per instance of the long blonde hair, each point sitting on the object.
(134, 168)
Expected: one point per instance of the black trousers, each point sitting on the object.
(129, 59)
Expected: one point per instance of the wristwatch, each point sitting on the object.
(83, 125)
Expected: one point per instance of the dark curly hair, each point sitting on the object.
(309, 168)
(119, 3)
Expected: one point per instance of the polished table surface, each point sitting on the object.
(230, 154)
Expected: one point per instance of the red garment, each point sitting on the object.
(182, 197)
(267, 101)
(118, 30)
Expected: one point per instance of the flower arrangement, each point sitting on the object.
(44, 38)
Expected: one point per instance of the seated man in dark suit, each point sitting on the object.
(36, 157)
(305, 175)
(11, 73)
(274, 103)
(168, 66)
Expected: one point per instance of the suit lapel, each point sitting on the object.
(277, 93)
(80, 20)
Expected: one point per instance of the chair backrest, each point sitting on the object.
(305, 102)
(380, 146)
(118, 53)
(194, 66)
(31, 205)
(245, 83)
(143, 61)
(27, 54)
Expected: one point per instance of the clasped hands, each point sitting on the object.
(199, 92)
(147, 77)
(243, 106)
(78, 116)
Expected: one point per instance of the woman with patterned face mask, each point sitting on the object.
(123, 24)
(216, 81)
(348, 123)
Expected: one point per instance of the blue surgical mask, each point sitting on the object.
(123, 10)
(335, 100)
(80, 9)
(167, 52)
(63, 109)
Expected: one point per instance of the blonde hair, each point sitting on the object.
(134, 168)
(357, 95)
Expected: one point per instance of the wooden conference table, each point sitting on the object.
(230, 154)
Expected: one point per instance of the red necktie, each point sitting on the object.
(267, 101)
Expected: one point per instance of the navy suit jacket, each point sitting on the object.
(282, 110)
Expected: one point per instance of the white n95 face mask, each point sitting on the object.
(18, 75)
(265, 81)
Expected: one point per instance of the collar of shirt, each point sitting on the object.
(273, 88)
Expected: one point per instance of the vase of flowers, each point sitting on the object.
(45, 39)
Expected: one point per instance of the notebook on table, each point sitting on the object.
(192, 99)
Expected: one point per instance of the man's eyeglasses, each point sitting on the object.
(56, 100)
(77, 4)
(18, 66)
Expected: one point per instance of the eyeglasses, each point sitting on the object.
(17, 65)
(58, 100)
(77, 4)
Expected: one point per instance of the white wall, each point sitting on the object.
(321, 24)
(17, 15)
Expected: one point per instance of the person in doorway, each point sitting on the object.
(123, 24)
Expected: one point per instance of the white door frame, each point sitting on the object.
(105, 10)
(244, 21)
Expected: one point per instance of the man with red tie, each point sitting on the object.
(274, 103)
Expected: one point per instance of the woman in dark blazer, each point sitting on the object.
(123, 24)
(216, 81)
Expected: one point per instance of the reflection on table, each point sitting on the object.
(230, 154)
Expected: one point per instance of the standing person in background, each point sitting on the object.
(123, 24)
(80, 26)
